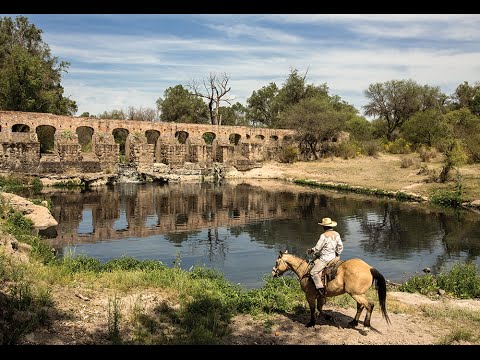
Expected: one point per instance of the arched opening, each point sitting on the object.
(181, 136)
(274, 138)
(208, 137)
(152, 138)
(46, 138)
(287, 139)
(248, 136)
(234, 138)
(120, 136)
(259, 137)
(85, 135)
(20, 128)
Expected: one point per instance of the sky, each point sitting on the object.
(122, 60)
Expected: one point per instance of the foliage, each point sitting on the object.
(316, 120)
(233, 115)
(453, 156)
(288, 154)
(180, 105)
(426, 154)
(347, 150)
(427, 127)
(262, 105)
(466, 96)
(462, 281)
(359, 128)
(465, 127)
(398, 146)
(115, 114)
(395, 101)
(448, 198)
(29, 76)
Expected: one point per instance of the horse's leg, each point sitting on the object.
(362, 303)
(320, 302)
(311, 304)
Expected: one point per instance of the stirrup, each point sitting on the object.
(321, 291)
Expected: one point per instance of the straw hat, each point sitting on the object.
(328, 222)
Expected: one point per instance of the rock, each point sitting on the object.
(441, 292)
(40, 215)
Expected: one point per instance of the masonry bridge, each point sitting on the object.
(40, 143)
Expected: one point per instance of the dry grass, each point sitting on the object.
(384, 172)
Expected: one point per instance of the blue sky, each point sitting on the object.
(125, 60)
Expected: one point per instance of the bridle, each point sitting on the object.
(289, 267)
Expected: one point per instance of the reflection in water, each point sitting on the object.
(239, 229)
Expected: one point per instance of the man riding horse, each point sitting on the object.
(327, 248)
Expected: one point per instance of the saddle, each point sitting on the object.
(330, 271)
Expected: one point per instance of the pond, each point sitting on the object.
(239, 227)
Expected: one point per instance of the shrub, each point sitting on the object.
(406, 162)
(427, 154)
(399, 146)
(346, 150)
(288, 154)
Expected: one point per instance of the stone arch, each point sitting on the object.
(46, 138)
(259, 137)
(152, 138)
(85, 136)
(234, 138)
(20, 128)
(181, 136)
(209, 137)
(120, 136)
(274, 137)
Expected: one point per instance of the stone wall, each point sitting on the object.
(39, 143)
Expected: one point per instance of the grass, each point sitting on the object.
(398, 195)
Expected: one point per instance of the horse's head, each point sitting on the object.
(280, 266)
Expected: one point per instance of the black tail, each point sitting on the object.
(381, 287)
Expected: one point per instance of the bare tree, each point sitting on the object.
(215, 90)
(141, 113)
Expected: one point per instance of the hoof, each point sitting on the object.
(310, 324)
(366, 329)
(353, 323)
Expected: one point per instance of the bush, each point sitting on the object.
(347, 150)
(399, 146)
(427, 154)
(371, 148)
(462, 281)
(406, 162)
(288, 154)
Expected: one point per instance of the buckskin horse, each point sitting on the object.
(354, 277)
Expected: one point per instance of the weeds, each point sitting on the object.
(114, 317)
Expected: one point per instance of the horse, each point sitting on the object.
(354, 277)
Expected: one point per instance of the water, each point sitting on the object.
(239, 228)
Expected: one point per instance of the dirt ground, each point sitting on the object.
(80, 316)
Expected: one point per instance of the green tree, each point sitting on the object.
(425, 127)
(467, 96)
(295, 89)
(262, 105)
(29, 76)
(316, 120)
(465, 127)
(395, 101)
(359, 128)
(114, 114)
(180, 105)
(233, 115)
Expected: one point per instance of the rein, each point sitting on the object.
(306, 272)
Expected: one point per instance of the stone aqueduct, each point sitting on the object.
(39, 143)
